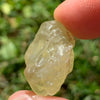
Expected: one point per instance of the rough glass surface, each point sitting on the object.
(49, 58)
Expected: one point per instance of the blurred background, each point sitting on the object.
(19, 22)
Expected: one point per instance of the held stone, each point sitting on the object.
(49, 58)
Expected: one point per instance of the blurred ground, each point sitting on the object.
(19, 22)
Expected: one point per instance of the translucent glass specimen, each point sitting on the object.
(49, 58)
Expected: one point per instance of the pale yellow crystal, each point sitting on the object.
(49, 58)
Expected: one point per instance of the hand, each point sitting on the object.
(82, 18)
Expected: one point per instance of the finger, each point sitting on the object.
(29, 95)
(81, 17)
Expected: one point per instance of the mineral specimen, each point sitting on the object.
(49, 58)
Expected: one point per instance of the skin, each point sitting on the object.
(29, 95)
(82, 19)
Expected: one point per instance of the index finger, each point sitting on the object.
(80, 17)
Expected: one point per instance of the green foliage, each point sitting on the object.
(19, 22)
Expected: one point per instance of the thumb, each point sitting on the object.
(29, 95)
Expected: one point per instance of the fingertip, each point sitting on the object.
(59, 11)
(80, 17)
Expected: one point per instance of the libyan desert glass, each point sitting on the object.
(49, 58)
